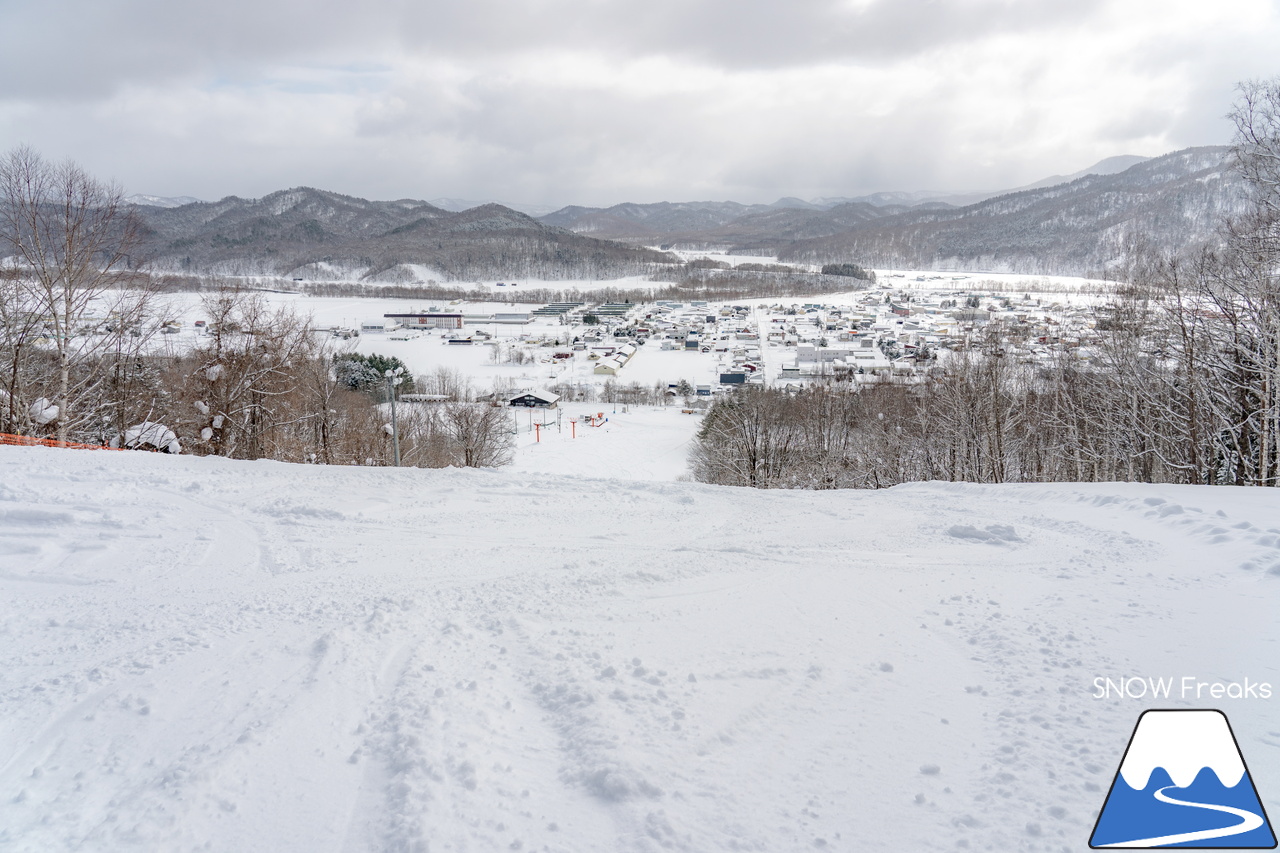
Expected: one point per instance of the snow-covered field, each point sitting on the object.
(201, 654)
(649, 443)
(1062, 287)
(427, 351)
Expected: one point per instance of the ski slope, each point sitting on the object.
(202, 654)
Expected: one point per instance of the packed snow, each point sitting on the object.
(605, 440)
(202, 654)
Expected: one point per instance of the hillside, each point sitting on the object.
(1073, 225)
(1070, 229)
(200, 653)
(1076, 227)
(318, 235)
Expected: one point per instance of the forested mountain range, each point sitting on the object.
(1078, 227)
(791, 218)
(316, 234)
(1073, 227)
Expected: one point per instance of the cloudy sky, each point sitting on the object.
(601, 101)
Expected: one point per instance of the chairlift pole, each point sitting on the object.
(393, 379)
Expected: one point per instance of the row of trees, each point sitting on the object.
(980, 418)
(849, 270)
(673, 282)
(1183, 386)
(68, 240)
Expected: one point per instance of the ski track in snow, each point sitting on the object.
(198, 654)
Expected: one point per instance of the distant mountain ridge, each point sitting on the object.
(457, 205)
(316, 234)
(1075, 226)
(1079, 227)
(631, 221)
(160, 201)
(1109, 166)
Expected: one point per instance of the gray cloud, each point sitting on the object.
(85, 48)
(597, 101)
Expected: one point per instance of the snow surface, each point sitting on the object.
(153, 435)
(632, 443)
(202, 654)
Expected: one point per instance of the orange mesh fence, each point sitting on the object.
(32, 441)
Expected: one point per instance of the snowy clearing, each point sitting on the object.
(202, 654)
(633, 443)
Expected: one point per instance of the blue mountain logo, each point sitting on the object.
(1183, 783)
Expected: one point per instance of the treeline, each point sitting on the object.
(985, 418)
(613, 392)
(849, 270)
(674, 282)
(714, 284)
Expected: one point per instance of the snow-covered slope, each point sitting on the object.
(231, 656)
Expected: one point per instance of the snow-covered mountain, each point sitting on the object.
(1183, 782)
(161, 201)
(1081, 227)
(1109, 166)
(306, 231)
(1075, 224)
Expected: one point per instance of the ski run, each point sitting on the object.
(201, 654)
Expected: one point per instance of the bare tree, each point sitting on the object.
(478, 434)
(20, 327)
(747, 439)
(1256, 115)
(74, 241)
(1249, 291)
(246, 379)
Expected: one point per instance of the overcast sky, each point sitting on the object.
(602, 101)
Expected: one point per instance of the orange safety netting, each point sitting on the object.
(32, 441)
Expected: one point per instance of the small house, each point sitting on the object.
(535, 399)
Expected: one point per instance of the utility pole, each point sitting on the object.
(394, 378)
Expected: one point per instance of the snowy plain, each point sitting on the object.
(425, 352)
(203, 654)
